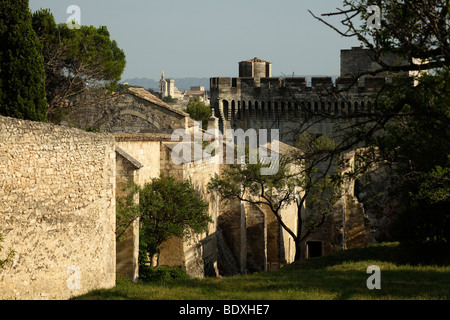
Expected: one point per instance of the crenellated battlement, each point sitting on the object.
(255, 99)
(299, 84)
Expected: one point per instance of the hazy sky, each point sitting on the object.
(207, 38)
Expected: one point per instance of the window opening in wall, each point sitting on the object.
(314, 249)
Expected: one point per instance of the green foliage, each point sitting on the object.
(9, 256)
(303, 178)
(169, 99)
(416, 143)
(22, 77)
(161, 274)
(339, 276)
(413, 29)
(76, 59)
(127, 210)
(166, 208)
(169, 208)
(121, 87)
(410, 128)
(199, 111)
(92, 129)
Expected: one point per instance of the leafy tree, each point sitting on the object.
(121, 87)
(417, 147)
(199, 111)
(409, 128)
(76, 59)
(168, 208)
(303, 177)
(22, 77)
(169, 99)
(127, 210)
(416, 30)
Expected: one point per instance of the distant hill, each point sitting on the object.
(181, 83)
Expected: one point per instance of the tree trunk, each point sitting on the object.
(298, 250)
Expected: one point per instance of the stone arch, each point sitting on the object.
(152, 119)
(275, 109)
(263, 110)
(349, 108)
(343, 109)
(243, 110)
(226, 109)
(270, 111)
(290, 111)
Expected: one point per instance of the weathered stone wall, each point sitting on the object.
(198, 256)
(144, 148)
(200, 253)
(256, 238)
(133, 111)
(139, 161)
(57, 210)
(348, 225)
(231, 221)
(358, 61)
(258, 102)
(127, 241)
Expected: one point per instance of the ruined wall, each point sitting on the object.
(57, 210)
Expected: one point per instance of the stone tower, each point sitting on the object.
(255, 68)
(163, 89)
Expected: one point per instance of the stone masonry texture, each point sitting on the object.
(57, 210)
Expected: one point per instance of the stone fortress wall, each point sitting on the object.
(257, 100)
(58, 186)
(57, 210)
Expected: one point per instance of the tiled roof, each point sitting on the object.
(195, 93)
(256, 59)
(122, 136)
(145, 95)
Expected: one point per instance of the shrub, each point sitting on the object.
(160, 274)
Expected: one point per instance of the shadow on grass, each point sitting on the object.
(327, 284)
(432, 255)
(342, 276)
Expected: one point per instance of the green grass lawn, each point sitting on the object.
(339, 276)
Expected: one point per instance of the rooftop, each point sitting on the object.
(145, 95)
(256, 59)
(122, 136)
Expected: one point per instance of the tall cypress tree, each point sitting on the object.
(22, 75)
